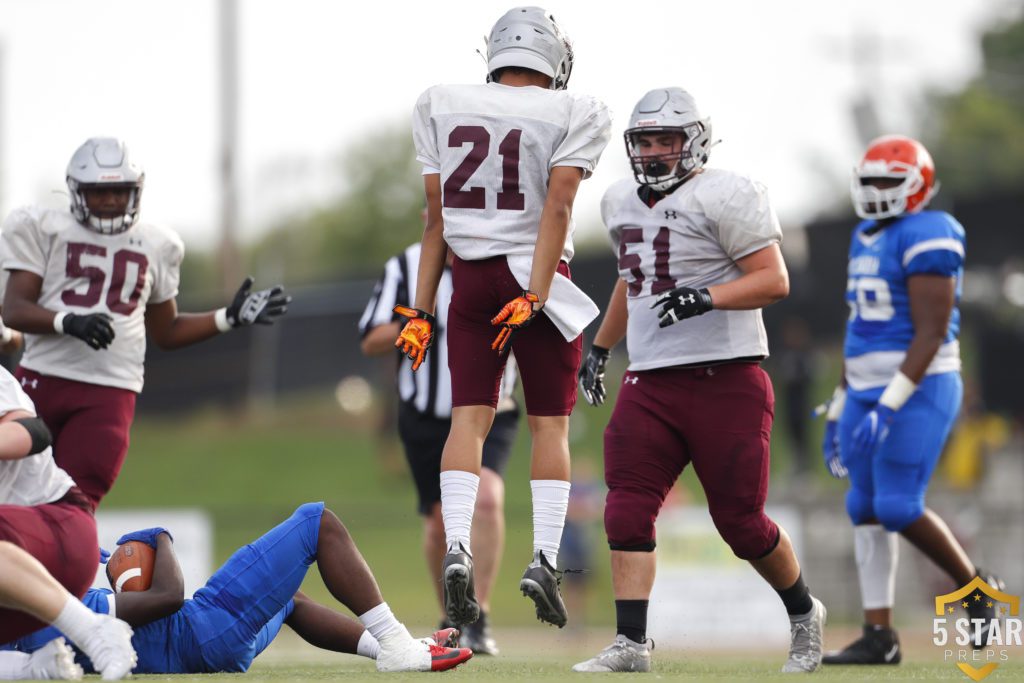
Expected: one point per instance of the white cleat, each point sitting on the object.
(805, 640)
(54, 661)
(109, 646)
(622, 655)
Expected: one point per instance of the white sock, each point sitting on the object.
(367, 646)
(877, 553)
(14, 666)
(380, 622)
(75, 620)
(550, 502)
(458, 499)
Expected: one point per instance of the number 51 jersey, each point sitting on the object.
(880, 329)
(85, 272)
(494, 146)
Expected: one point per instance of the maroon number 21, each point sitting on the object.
(509, 197)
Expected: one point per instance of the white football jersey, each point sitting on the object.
(693, 238)
(494, 146)
(85, 272)
(34, 480)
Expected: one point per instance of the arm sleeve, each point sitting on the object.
(385, 297)
(168, 272)
(589, 130)
(424, 135)
(24, 245)
(747, 222)
(936, 248)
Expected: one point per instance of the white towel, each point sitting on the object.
(568, 307)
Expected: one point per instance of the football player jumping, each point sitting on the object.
(901, 388)
(502, 162)
(699, 257)
(95, 275)
(241, 609)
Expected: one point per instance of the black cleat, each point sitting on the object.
(459, 594)
(878, 645)
(540, 583)
(979, 609)
(477, 637)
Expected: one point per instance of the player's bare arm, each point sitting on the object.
(434, 250)
(931, 304)
(164, 597)
(616, 317)
(172, 330)
(554, 226)
(22, 434)
(380, 340)
(765, 280)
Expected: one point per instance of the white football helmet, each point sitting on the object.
(104, 161)
(528, 37)
(668, 110)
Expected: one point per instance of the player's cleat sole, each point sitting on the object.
(445, 658)
(460, 603)
(540, 584)
(878, 646)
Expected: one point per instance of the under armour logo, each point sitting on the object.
(631, 380)
(687, 298)
(135, 240)
(25, 382)
(669, 214)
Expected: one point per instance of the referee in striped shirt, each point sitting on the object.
(424, 419)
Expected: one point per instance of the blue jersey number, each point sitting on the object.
(872, 301)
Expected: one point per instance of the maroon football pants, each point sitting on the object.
(719, 418)
(90, 426)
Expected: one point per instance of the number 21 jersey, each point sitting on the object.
(85, 272)
(494, 146)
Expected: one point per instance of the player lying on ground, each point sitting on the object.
(241, 608)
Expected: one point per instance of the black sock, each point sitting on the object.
(631, 619)
(796, 598)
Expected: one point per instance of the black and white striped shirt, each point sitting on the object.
(429, 389)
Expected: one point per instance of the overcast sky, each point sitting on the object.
(777, 78)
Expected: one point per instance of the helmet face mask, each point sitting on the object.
(104, 164)
(895, 177)
(529, 38)
(667, 140)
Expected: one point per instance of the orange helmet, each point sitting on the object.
(896, 176)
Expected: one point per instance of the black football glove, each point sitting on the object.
(263, 306)
(591, 375)
(93, 328)
(682, 303)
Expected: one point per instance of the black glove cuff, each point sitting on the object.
(705, 296)
(600, 351)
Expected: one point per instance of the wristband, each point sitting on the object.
(58, 322)
(220, 319)
(836, 405)
(897, 392)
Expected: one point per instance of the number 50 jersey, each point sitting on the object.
(494, 146)
(880, 329)
(85, 272)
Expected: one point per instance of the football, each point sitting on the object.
(130, 567)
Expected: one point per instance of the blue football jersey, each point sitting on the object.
(880, 328)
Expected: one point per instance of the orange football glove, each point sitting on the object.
(514, 315)
(417, 335)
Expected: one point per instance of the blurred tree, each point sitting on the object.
(376, 216)
(977, 135)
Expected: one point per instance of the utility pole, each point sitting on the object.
(227, 163)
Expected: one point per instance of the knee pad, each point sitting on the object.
(859, 506)
(629, 516)
(750, 535)
(896, 512)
